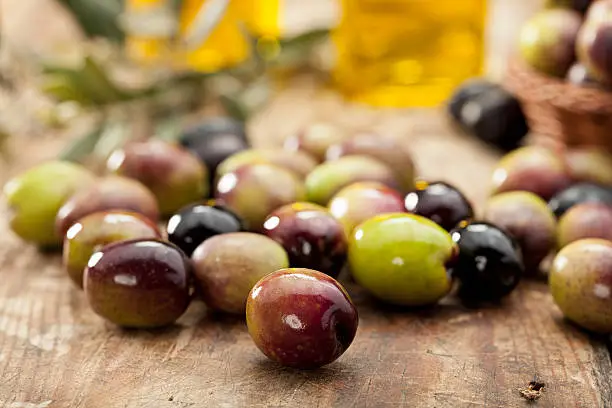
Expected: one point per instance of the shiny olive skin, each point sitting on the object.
(385, 150)
(586, 220)
(312, 237)
(360, 201)
(595, 41)
(531, 168)
(173, 174)
(330, 177)
(440, 202)
(465, 92)
(548, 41)
(315, 139)
(227, 266)
(301, 318)
(107, 193)
(253, 191)
(196, 223)
(299, 162)
(495, 117)
(489, 265)
(35, 196)
(579, 75)
(138, 284)
(580, 282)
(214, 140)
(577, 194)
(527, 219)
(95, 230)
(402, 258)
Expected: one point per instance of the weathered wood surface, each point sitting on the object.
(55, 353)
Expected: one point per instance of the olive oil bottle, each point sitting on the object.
(201, 35)
(407, 53)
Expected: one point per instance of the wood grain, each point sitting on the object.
(55, 353)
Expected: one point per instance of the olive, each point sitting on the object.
(578, 5)
(590, 164)
(595, 42)
(299, 162)
(227, 266)
(385, 150)
(143, 283)
(172, 173)
(35, 197)
(198, 222)
(301, 318)
(579, 74)
(330, 177)
(534, 169)
(360, 201)
(402, 258)
(315, 139)
(586, 220)
(95, 230)
(213, 141)
(495, 117)
(548, 41)
(107, 193)
(467, 91)
(254, 191)
(489, 265)
(580, 282)
(440, 202)
(527, 218)
(312, 237)
(579, 193)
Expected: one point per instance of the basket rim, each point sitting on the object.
(532, 86)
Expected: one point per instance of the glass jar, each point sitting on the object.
(406, 53)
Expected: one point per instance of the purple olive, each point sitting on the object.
(174, 175)
(586, 220)
(312, 237)
(253, 191)
(534, 169)
(138, 284)
(301, 318)
(95, 230)
(108, 193)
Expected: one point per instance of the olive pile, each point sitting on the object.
(571, 39)
(266, 232)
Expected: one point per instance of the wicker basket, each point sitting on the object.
(561, 114)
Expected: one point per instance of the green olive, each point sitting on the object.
(35, 197)
(401, 258)
(580, 282)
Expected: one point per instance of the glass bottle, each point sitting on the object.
(162, 33)
(406, 53)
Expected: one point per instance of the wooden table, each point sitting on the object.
(54, 352)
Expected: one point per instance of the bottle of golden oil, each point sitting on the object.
(206, 35)
(408, 53)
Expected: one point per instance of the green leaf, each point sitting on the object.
(87, 85)
(83, 146)
(305, 40)
(114, 134)
(98, 18)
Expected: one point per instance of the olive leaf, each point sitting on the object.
(98, 18)
(81, 147)
(88, 84)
